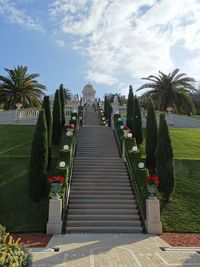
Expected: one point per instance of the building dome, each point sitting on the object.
(88, 87)
(89, 94)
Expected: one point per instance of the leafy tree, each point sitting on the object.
(62, 103)
(136, 124)
(165, 160)
(130, 107)
(57, 125)
(21, 87)
(151, 137)
(170, 90)
(38, 160)
(47, 109)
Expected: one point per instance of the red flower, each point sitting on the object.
(71, 126)
(56, 179)
(152, 180)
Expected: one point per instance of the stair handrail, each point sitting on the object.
(135, 188)
(65, 208)
(131, 175)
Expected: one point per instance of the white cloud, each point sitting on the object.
(101, 78)
(60, 43)
(132, 39)
(11, 13)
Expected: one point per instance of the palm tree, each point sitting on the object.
(20, 87)
(68, 95)
(170, 90)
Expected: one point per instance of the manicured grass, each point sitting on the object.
(17, 211)
(182, 214)
(186, 143)
(15, 140)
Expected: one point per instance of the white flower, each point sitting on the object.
(62, 164)
(141, 165)
(65, 147)
(116, 112)
(134, 148)
(122, 127)
(74, 118)
(119, 119)
(130, 135)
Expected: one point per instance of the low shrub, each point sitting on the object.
(11, 254)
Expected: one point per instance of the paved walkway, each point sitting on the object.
(112, 250)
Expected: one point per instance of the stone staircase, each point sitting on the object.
(101, 199)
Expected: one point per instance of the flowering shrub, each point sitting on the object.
(70, 126)
(152, 180)
(56, 179)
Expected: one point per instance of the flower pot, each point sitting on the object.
(71, 130)
(56, 188)
(152, 188)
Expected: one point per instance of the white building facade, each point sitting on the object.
(89, 94)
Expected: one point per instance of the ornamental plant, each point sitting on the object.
(56, 179)
(70, 126)
(152, 180)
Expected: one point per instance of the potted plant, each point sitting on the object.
(56, 185)
(70, 128)
(152, 184)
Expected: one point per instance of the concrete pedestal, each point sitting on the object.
(153, 223)
(54, 225)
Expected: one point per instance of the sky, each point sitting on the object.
(110, 43)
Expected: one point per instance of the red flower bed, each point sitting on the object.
(181, 239)
(32, 240)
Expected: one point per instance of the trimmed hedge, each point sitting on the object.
(134, 159)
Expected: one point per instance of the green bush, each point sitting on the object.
(39, 159)
(11, 254)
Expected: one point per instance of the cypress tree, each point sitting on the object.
(56, 126)
(136, 125)
(62, 103)
(38, 160)
(151, 137)
(164, 160)
(130, 107)
(47, 109)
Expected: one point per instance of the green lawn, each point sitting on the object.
(183, 212)
(186, 143)
(17, 211)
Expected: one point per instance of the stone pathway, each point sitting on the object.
(112, 250)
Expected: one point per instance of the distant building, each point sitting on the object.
(89, 94)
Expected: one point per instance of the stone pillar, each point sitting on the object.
(153, 223)
(54, 225)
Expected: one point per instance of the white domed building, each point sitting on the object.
(89, 94)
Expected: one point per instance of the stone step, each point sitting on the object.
(101, 196)
(103, 217)
(79, 172)
(100, 192)
(101, 201)
(123, 223)
(135, 229)
(100, 188)
(103, 180)
(103, 206)
(88, 185)
(88, 212)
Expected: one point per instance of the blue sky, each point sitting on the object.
(111, 43)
